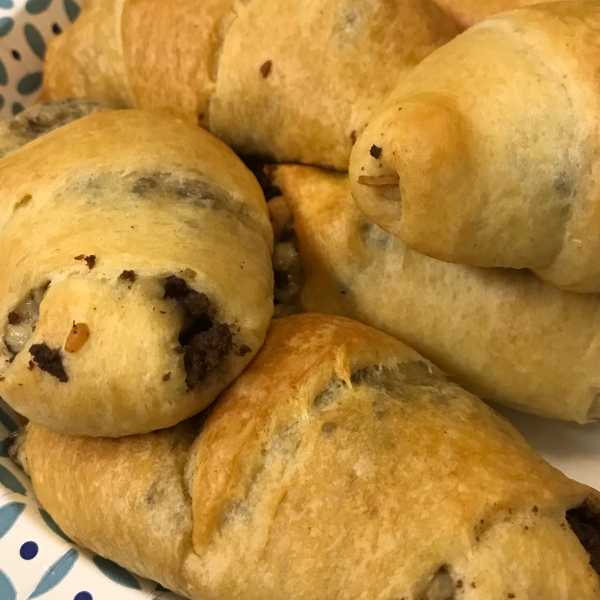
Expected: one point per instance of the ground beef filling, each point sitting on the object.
(205, 343)
(585, 523)
(49, 360)
(287, 268)
(262, 169)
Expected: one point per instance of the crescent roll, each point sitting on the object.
(488, 152)
(42, 118)
(504, 335)
(295, 81)
(340, 464)
(469, 12)
(136, 280)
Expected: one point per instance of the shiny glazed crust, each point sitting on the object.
(296, 82)
(127, 201)
(493, 144)
(340, 464)
(504, 335)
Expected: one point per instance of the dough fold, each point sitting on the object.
(136, 280)
(340, 464)
(487, 152)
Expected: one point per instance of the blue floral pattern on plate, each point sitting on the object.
(26, 27)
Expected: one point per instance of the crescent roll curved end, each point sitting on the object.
(136, 280)
(486, 154)
(339, 450)
(502, 334)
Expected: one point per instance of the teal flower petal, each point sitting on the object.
(35, 40)
(6, 25)
(7, 479)
(55, 574)
(72, 9)
(5, 418)
(117, 573)
(7, 589)
(3, 450)
(29, 83)
(52, 524)
(6, 3)
(35, 7)
(9, 514)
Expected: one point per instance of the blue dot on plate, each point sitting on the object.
(17, 108)
(35, 40)
(7, 479)
(35, 7)
(29, 83)
(6, 25)
(116, 573)
(6, 3)
(83, 596)
(29, 550)
(72, 9)
(7, 589)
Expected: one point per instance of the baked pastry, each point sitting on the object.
(340, 464)
(136, 280)
(293, 81)
(503, 335)
(469, 12)
(42, 118)
(487, 153)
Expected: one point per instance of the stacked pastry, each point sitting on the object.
(332, 461)
(479, 169)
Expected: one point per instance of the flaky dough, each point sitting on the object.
(136, 279)
(502, 334)
(296, 81)
(488, 152)
(340, 464)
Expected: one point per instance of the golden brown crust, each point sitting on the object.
(469, 12)
(492, 143)
(298, 82)
(123, 498)
(352, 469)
(114, 178)
(302, 354)
(502, 334)
(294, 81)
(86, 61)
(170, 51)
